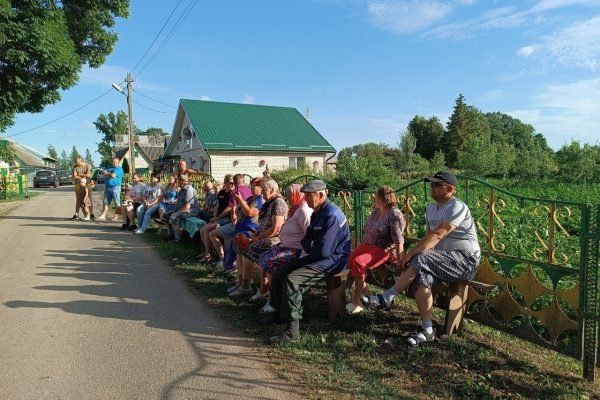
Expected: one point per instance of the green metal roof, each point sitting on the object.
(250, 127)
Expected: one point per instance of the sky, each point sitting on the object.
(363, 68)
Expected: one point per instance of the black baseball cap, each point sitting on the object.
(443, 176)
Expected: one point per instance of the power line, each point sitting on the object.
(178, 23)
(158, 101)
(151, 109)
(64, 116)
(156, 37)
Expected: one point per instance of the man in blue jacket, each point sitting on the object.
(325, 250)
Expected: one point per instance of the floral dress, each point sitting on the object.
(273, 208)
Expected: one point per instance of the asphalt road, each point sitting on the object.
(90, 312)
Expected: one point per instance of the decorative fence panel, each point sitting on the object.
(13, 186)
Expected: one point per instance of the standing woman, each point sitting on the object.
(383, 239)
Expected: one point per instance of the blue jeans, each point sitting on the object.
(145, 215)
(111, 193)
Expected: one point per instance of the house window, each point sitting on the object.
(297, 162)
(136, 154)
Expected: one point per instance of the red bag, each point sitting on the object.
(241, 241)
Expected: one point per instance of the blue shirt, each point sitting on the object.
(327, 240)
(114, 182)
(245, 223)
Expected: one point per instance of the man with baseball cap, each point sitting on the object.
(449, 252)
(325, 250)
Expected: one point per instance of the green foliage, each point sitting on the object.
(7, 153)
(43, 46)
(152, 132)
(88, 158)
(63, 161)
(367, 165)
(408, 162)
(73, 156)
(109, 126)
(428, 133)
(52, 152)
(577, 163)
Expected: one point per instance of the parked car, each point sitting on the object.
(45, 177)
(98, 177)
(65, 177)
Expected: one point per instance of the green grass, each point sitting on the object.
(364, 356)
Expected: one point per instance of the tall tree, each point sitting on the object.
(63, 162)
(52, 152)
(408, 162)
(153, 132)
(7, 153)
(466, 123)
(73, 156)
(43, 46)
(88, 158)
(109, 126)
(428, 134)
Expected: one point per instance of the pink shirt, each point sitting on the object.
(294, 228)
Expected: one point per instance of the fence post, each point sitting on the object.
(589, 288)
(358, 215)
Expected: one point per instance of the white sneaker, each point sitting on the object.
(86, 218)
(259, 296)
(138, 231)
(267, 309)
(240, 292)
(233, 288)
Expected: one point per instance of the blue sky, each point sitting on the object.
(364, 68)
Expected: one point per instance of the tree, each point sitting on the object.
(63, 162)
(466, 124)
(153, 132)
(369, 165)
(109, 126)
(7, 153)
(477, 157)
(88, 158)
(73, 156)
(408, 161)
(43, 46)
(577, 163)
(437, 163)
(428, 133)
(536, 161)
(52, 152)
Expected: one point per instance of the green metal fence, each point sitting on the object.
(13, 186)
(541, 254)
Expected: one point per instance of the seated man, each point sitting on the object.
(325, 250)
(211, 202)
(186, 206)
(449, 252)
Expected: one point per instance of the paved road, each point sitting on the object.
(89, 312)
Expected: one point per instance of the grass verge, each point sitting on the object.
(364, 357)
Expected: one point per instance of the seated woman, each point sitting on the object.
(167, 199)
(133, 199)
(270, 220)
(246, 222)
(150, 203)
(221, 217)
(292, 232)
(382, 240)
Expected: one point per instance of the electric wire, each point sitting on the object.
(156, 36)
(176, 26)
(151, 109)
(158, 101)
(64, 116)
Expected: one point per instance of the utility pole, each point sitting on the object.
(130, 123)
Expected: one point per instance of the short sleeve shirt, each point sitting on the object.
(82, 170)
(211, 200)
(273, 208)
(384, 231)
(245, 223)
(294, 228)
(152, 192)
(116, 181)
(187, 195)
(243, 190)
(456, 213)
(223, 199)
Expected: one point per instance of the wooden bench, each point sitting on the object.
(455, 305)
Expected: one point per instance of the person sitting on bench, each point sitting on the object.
(449, 252)
(326, 247)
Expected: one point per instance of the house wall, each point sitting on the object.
(191, 150)
(223, 163)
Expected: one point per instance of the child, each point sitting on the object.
(86, 200)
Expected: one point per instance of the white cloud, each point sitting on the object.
(205, 98)
(546, 5)
(407, 16)
(106, 75)
(577, 45)
(248, 99)
(566, 111)
(526, 51)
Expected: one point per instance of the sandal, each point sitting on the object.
(417, 339)
(377, 302)
(352, 308)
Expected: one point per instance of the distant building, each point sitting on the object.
(27, 160)
(147, 149)
(221, 138)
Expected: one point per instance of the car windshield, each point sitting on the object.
(44, 173)
(64, 173)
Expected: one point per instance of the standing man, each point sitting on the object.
(81, 170)
(449, 252)
(325, 251)
(186, 206)
(182, 169)
(112, 186)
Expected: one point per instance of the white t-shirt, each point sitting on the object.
(294, 228)
(152, 192)
(456, 213)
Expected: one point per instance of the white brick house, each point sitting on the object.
(221, 138)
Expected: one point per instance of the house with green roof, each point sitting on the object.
(228, 138)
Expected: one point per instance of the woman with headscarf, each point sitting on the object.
(289, 248)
